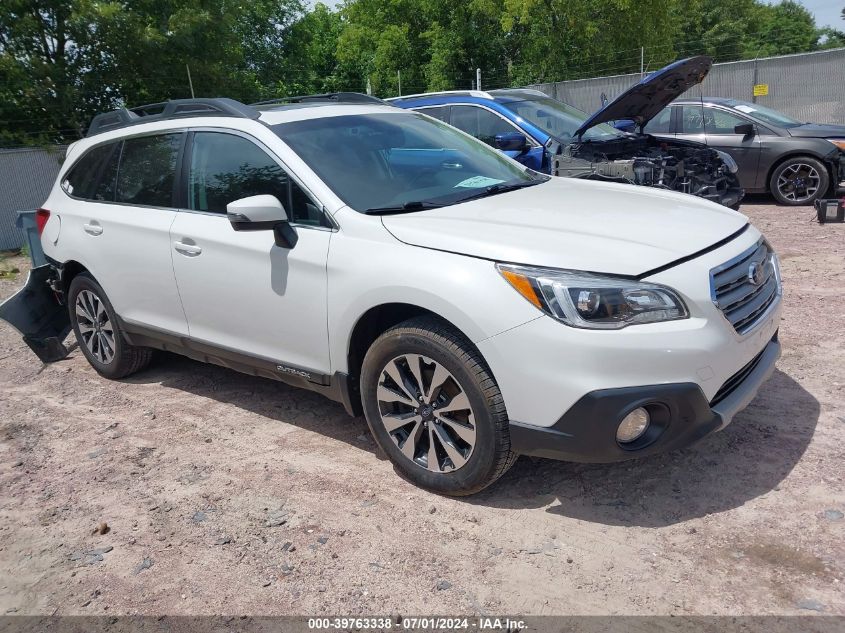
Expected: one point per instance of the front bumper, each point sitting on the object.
(546, 369)
(587, 431)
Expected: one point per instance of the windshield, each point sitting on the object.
(764, 114)
(400, 159)
(559, 119)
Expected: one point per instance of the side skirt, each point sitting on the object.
(337, 387)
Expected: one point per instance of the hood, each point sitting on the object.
(644, 100)
(818, 130)
(573, 224)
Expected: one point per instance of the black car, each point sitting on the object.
(797, 162)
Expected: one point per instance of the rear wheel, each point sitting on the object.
(799, 180)
(98, 331)
(435, 409)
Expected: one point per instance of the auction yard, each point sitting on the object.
(227, 494)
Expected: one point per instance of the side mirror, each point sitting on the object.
(262, 213)
(746, 129)
(511, 142)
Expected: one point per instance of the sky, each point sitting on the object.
(826, 12)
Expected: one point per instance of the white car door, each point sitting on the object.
(240, 291)
(118, 224)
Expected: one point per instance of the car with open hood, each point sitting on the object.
(795, 161)
(555, 138)
(471, 308)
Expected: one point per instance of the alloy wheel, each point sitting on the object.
(426, 413)
(799, 182)
(95, 327)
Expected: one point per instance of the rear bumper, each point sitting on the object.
(587, 431)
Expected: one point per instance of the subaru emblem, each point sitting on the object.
(756, 274)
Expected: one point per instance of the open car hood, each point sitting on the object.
(645, 99)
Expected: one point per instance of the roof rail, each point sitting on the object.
(338, 97)
(107, 121)
(480, 94)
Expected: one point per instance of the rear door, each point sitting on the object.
(240, 291)
(119, 226)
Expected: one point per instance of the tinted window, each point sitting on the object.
(98, 165)
(107, 184)
(148, 170)
(661, 124)
(480, 123)
(441, 113)
(225, 168)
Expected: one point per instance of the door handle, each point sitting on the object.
(191, 250)
(92, 228)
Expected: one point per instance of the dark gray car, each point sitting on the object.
(797, 162)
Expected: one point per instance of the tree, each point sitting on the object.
(62, 61)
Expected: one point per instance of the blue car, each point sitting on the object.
(555, 138)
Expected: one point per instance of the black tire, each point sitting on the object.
(124, 359)
(811, 174)
(490, 456)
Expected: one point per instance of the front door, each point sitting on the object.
(239, 290)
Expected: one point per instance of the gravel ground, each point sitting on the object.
(226, 494)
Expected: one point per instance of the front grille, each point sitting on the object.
(743, 300)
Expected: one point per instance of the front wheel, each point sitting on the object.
(435, 409)
(799, 180)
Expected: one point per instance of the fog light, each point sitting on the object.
(633, 426)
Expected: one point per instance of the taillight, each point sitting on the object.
(41, 217)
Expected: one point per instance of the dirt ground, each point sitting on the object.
(226, 494)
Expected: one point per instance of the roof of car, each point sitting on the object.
(505, 95)
(301, 111)
(268, 111)
(714, 100)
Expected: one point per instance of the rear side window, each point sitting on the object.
(92, 177)
(441, 113)
(148, 170)
(225, 168)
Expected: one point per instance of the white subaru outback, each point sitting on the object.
(471, 308)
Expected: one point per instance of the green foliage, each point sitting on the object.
(62, 61)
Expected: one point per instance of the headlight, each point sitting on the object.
(839, 142)
(594, 301)
(729, 161)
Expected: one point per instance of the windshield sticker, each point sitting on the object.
(476, 182)
(745, 108)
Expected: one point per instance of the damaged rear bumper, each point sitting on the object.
(35, 312)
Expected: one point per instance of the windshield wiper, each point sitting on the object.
(408, 207)
(493, 190)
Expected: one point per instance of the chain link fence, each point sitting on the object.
(807, 86)
(27, 175)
